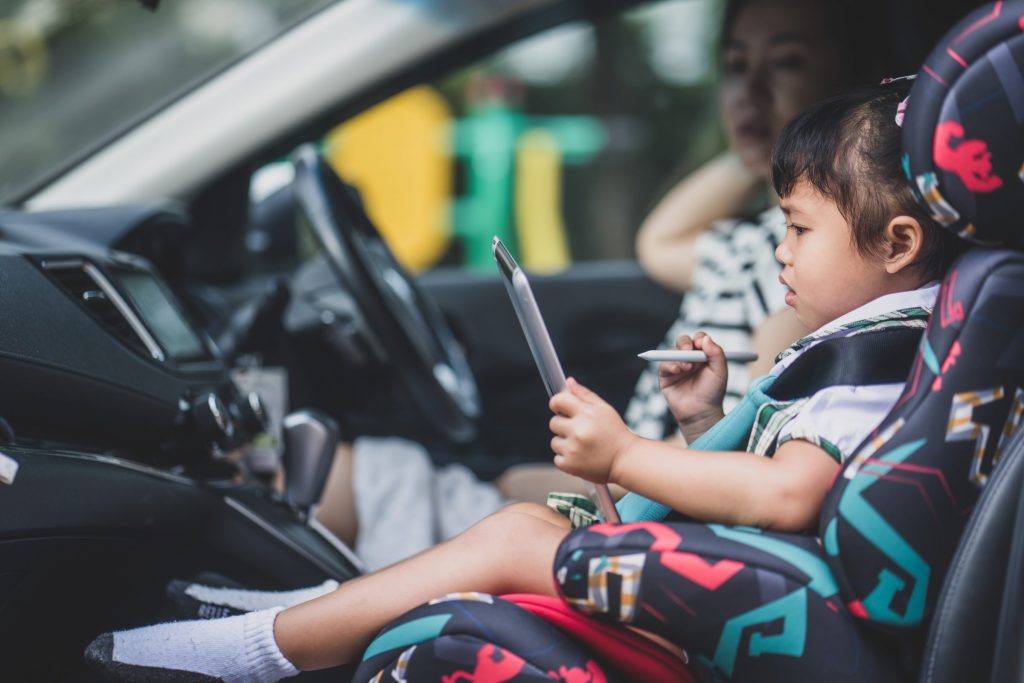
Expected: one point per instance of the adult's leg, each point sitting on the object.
(532, 482)
(397, 474)
(337, 508)
(403, 503)
(510, 551)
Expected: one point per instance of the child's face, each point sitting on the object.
(825, 273)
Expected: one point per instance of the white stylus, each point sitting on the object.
(676, 355)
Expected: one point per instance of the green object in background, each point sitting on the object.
(487, 140)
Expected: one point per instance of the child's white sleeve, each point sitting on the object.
(837, 419)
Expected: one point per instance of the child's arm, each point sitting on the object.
(694, 391)
(784, 492)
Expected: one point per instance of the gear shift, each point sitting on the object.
(310, 438)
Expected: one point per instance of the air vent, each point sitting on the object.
(84, 283)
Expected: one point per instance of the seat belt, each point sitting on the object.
(872, 357)
(881, 357)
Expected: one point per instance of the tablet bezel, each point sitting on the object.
(539, 340)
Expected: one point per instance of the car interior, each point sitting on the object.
(918, 526)
(133, 322)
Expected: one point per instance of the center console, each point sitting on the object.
(119, 424)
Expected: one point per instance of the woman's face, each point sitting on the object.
(777, 61)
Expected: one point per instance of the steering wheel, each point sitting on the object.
(405, 321)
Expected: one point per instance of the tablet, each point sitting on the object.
(543, 350)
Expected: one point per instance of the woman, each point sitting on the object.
(778, 57)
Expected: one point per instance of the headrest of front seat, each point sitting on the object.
(963, 138)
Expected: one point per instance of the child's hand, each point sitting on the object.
(694, 391)
(589, 434)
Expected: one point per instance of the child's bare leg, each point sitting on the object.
(511, 551)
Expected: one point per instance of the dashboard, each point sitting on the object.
(99, 352)
(119, 420)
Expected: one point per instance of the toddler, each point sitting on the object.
(859, 253)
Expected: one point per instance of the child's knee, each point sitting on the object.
(535, 510)
(518, 518)
(515, 524)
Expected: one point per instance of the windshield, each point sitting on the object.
(74, 73)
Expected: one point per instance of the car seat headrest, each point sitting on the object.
(963, 136)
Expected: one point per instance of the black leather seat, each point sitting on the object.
(976, 632)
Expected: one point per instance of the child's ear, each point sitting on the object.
(904, 239)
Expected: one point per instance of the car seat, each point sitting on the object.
(908, 575)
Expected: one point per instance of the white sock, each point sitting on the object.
(250, 600)
(239, 648)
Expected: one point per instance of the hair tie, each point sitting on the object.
(901, 108)
(901, 111)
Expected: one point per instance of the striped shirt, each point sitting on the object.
(735, 287)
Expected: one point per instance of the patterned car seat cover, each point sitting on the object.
(893, 519)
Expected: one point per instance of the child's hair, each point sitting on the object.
(848, 148)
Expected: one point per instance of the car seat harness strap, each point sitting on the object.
(868, 357)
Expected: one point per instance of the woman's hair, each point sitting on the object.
(852, 25)
(848, 149)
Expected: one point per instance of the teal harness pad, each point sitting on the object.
(728, 434)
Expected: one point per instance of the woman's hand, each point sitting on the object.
(589, 435)
(694, 391)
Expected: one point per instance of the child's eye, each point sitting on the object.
(798, 229)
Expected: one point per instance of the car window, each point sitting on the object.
(560, 143)
(74, 73)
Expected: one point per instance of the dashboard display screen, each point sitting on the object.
(161, 316)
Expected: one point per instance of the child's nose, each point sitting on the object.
(782, 253)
